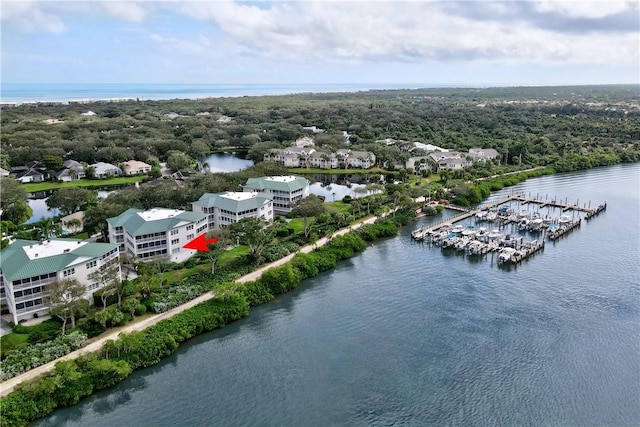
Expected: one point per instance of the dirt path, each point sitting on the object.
(8, 386)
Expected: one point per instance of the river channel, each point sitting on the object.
(408, 334)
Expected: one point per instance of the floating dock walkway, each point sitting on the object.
(440, 233)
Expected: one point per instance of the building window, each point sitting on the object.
(189, 227)
(69, 272)
(175, 251)
(92, 264)
(175, 241)
(190, 236)
(174, 232)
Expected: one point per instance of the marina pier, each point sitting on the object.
(511, 247)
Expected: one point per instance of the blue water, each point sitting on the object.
(407, 334)
(19, 92)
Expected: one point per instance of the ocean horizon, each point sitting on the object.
(19, 93)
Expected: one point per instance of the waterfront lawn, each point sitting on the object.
(45, 186)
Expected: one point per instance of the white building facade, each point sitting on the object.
(285, 191)
(224, 209)
(28, 266)
(156, 233)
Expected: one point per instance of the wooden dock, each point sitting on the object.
(524, 249)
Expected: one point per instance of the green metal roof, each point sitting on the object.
(217, 200)
(15, 262)
(136, 225)
(296, 183)
(118, 221)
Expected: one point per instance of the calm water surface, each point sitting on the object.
(406, 334)
(226, 162)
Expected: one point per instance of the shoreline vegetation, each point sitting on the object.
(108, 361)
(536, 131)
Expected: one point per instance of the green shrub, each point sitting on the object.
(256, 293)
(44, 327)
(281, 279)
(27, 358)
(140, 309)
(90, 327)
(306, 265)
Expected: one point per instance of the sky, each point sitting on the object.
(501, 43)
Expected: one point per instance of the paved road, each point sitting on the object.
(8, 386)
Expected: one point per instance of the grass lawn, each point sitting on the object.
(80, 236)
(338, 207)
(228, 256)
(12, 342)
(44, 186)
(297, 224)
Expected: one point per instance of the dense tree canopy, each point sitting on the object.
(13, 201)
(529, 125)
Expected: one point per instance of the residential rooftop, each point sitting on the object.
(156, 214)
(49, 248)
(28, 258)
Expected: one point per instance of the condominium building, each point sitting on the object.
(27, 266)
(223, 209)
(156, 233)
(285, 191)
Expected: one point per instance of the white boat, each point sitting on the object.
(506, 254)
(536, 224)
(508, 240)
(481, 215)
(481, 234)
(491, 216)
(564, 219)
(469, 231)
(494, 235)
(458, 229)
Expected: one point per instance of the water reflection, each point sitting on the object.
(335, 187)
(38, 204)
(101, 403)
(224, 162)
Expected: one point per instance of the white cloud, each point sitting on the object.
(350, 31)
(127, 11)
(199, 46)
(586, 9)
(30, 17)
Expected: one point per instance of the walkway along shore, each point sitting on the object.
(8, 386)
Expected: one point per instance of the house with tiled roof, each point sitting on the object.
(105, 170)
(449, 160)
(156, 233)
(135, 167)
(285, 191)
(28, 266)
(224, 209)
(72, 171)
(30, 172)
(483, 154)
